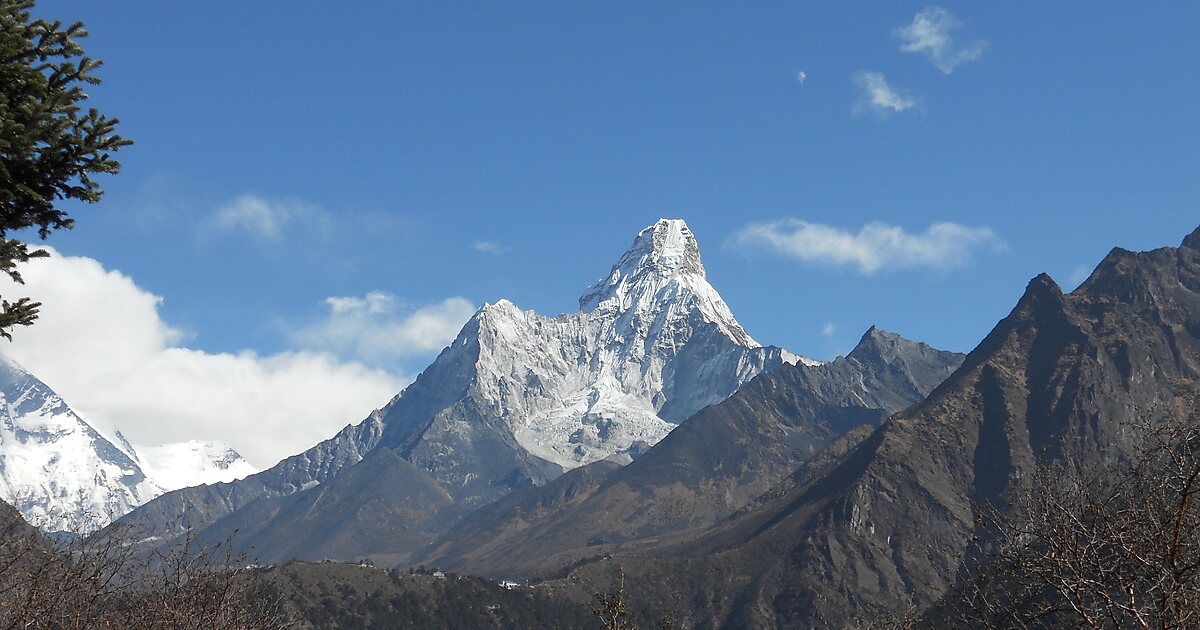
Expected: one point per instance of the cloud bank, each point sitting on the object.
(929, 34)
(875, 247)
(102, 344)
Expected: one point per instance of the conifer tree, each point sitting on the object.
(50, 146)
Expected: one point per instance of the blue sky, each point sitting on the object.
(290, 153)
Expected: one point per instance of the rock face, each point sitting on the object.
(55, 468)
(891, 519)
(711, 466)
(518, 398)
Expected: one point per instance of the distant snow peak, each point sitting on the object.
(791, 358)
(58, 470)
(65, 475)
(194, 463)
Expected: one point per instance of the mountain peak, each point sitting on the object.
(661, 276)
(57, 468)
(875, 336)
(663, 250)
(194, 463)
(885, 346)
(1192, 241)
(668, 244)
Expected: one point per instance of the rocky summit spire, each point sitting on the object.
(661, 274)
(660, 252)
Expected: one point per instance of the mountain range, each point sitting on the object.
(648, 438)
(886, 520)
(716, 463)
(517, 399)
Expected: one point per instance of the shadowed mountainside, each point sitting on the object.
(892, 521)
(712, 465)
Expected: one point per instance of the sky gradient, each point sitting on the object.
(345, 184)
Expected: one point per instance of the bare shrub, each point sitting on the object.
(110, 581)
(1108, 546)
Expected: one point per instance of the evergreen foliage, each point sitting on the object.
(50, 146)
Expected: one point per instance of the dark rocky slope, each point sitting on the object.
(382, 505)
(892, 521)
(711, 466)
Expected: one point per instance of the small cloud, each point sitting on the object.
(801, 76)
(374, 303)
(489, 247)
(875, 247)
(876, 95)
(374, 329)
(930, 35)
(262, 218)
(829, 329)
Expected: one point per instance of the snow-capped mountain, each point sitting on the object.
(519, 397)
(652, 344)
(193, 463)
(65, 475)
(57, 469)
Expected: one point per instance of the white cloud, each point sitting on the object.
(371, 329)
(489, 247)
(875, 247)
(101, 343)
(930, 35)
(801, 76)
(876, 95)
(262, 218)
(829, 329)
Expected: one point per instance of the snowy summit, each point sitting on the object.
(653, 343)
(57, 469)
